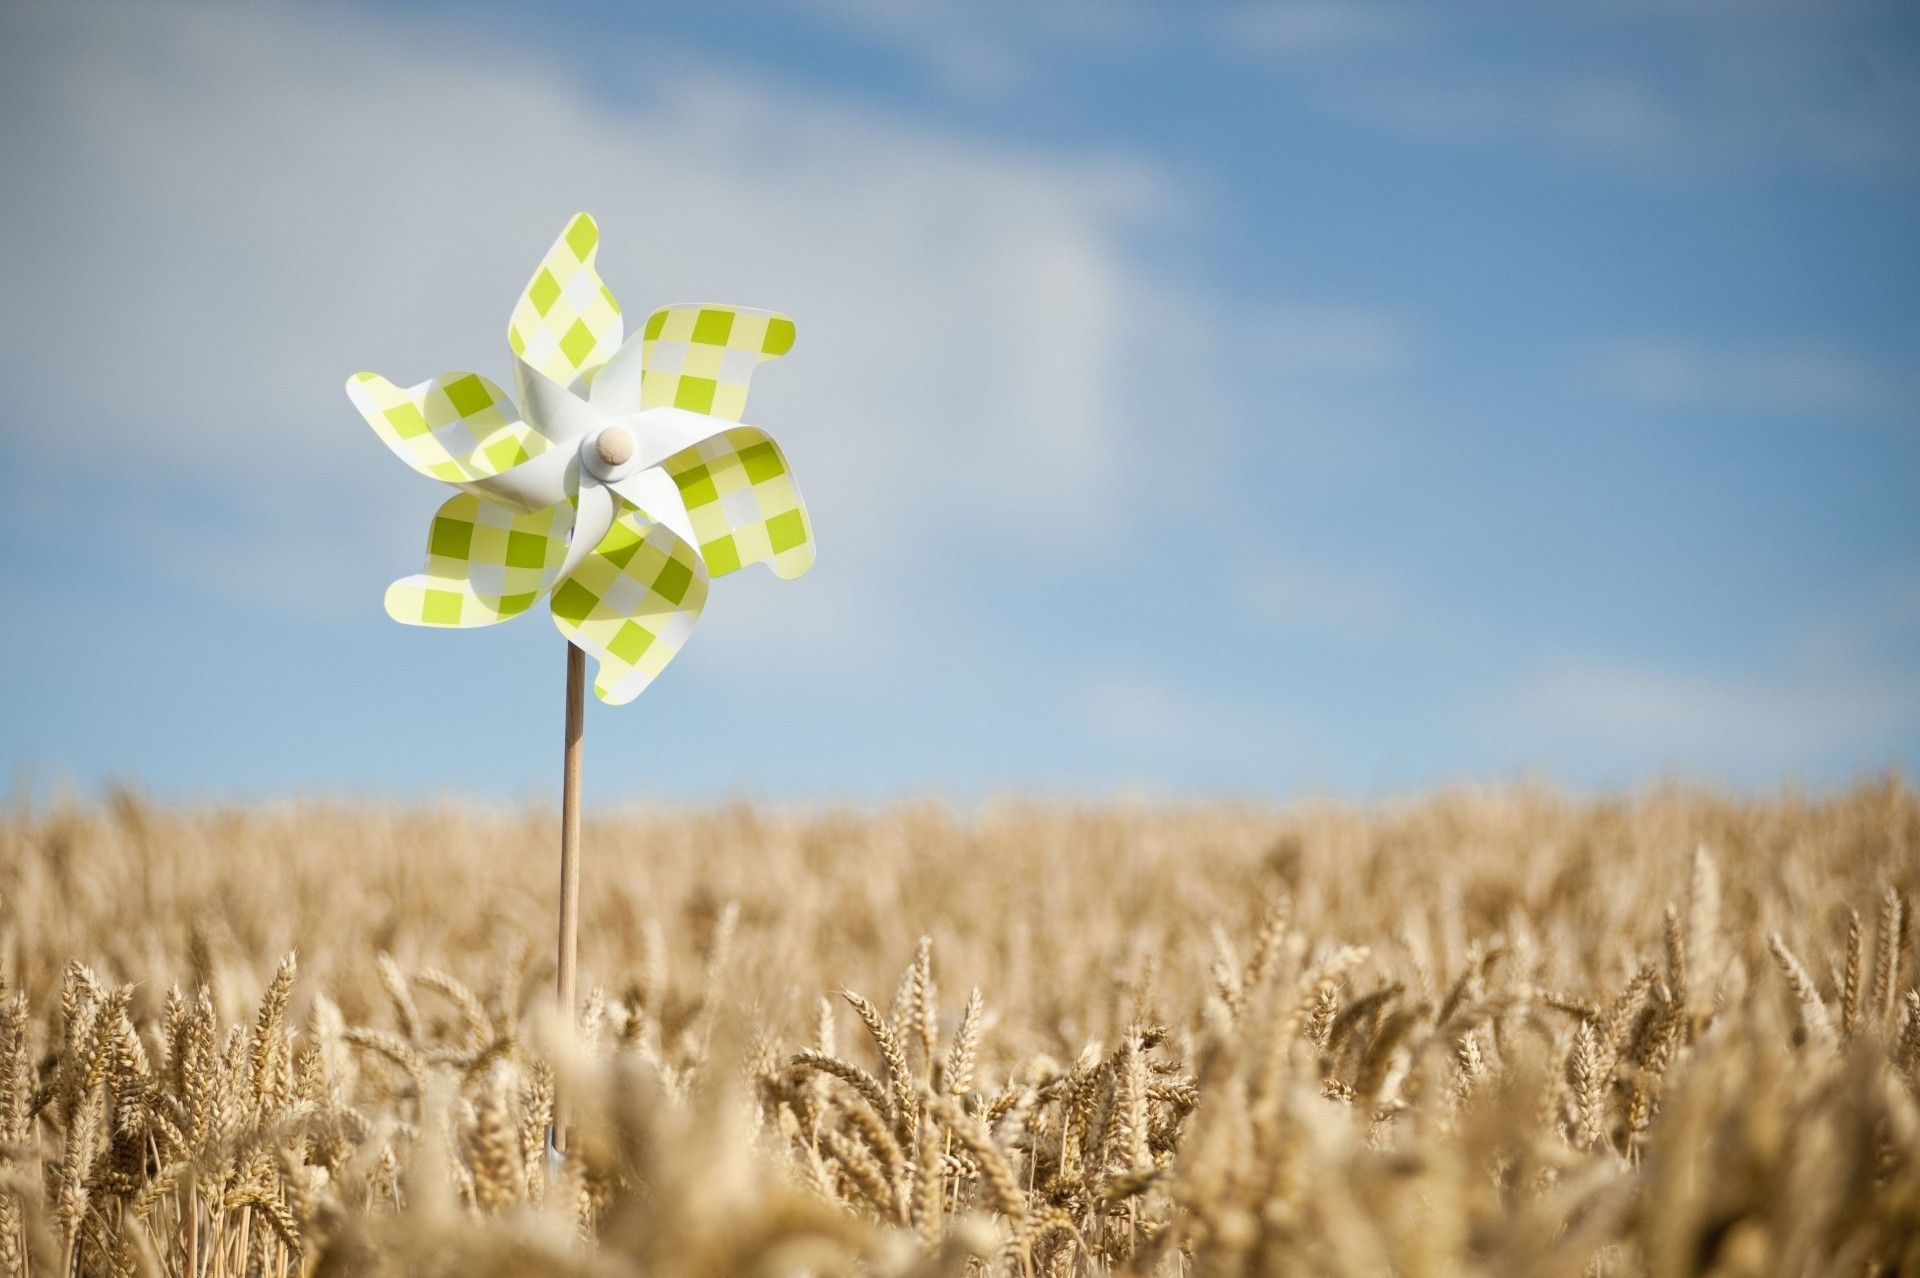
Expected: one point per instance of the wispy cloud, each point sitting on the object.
(1296, 28)
(1154, 720)
(1620, 720)
(1295, 597)
(987, 49)
(1734, 88)
(1786, 379)
(1634, 124)
(1842, 693)
(1303, 338)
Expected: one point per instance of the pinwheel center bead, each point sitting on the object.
(615, 445)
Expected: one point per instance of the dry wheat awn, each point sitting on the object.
(1494, 1032)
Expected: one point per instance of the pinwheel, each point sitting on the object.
(617, 487)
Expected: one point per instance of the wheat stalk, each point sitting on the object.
(1465, 1034)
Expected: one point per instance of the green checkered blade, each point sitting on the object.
(566, 324)
(485, 563)
(456, 426)
(743, 503)
(701, 358)
(632, 603)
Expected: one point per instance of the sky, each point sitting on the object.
(1317, 397)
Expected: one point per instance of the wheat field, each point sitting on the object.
(1493, 1031)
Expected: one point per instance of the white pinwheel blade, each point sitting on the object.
(454, 427)
(594, 508)
(698, 358)
(654, 491)
(552, 409)
(743, 503)
(631, 604)
(567, 324)
(486, 562)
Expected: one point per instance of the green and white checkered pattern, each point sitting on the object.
(566, 323)
(743, 503)
(701, 358)
(632, 600)
(632, 603)
(485, 563)
(455, 427)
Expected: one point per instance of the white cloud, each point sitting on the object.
(1292, 28)
(1615, 117)
(1147, 717)
(1751, 83)
(987, 49)
(1843, 693)
(1301, 338)
(1801, 379)
(220, 211)
(1751, 87)
(1594, 709)
(970, 57)
(1291, 597)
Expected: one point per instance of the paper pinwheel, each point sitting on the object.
(620, 484)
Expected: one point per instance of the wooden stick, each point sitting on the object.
(570, 858)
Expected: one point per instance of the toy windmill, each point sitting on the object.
(620, 485)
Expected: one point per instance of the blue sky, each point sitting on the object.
(1252, 400)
